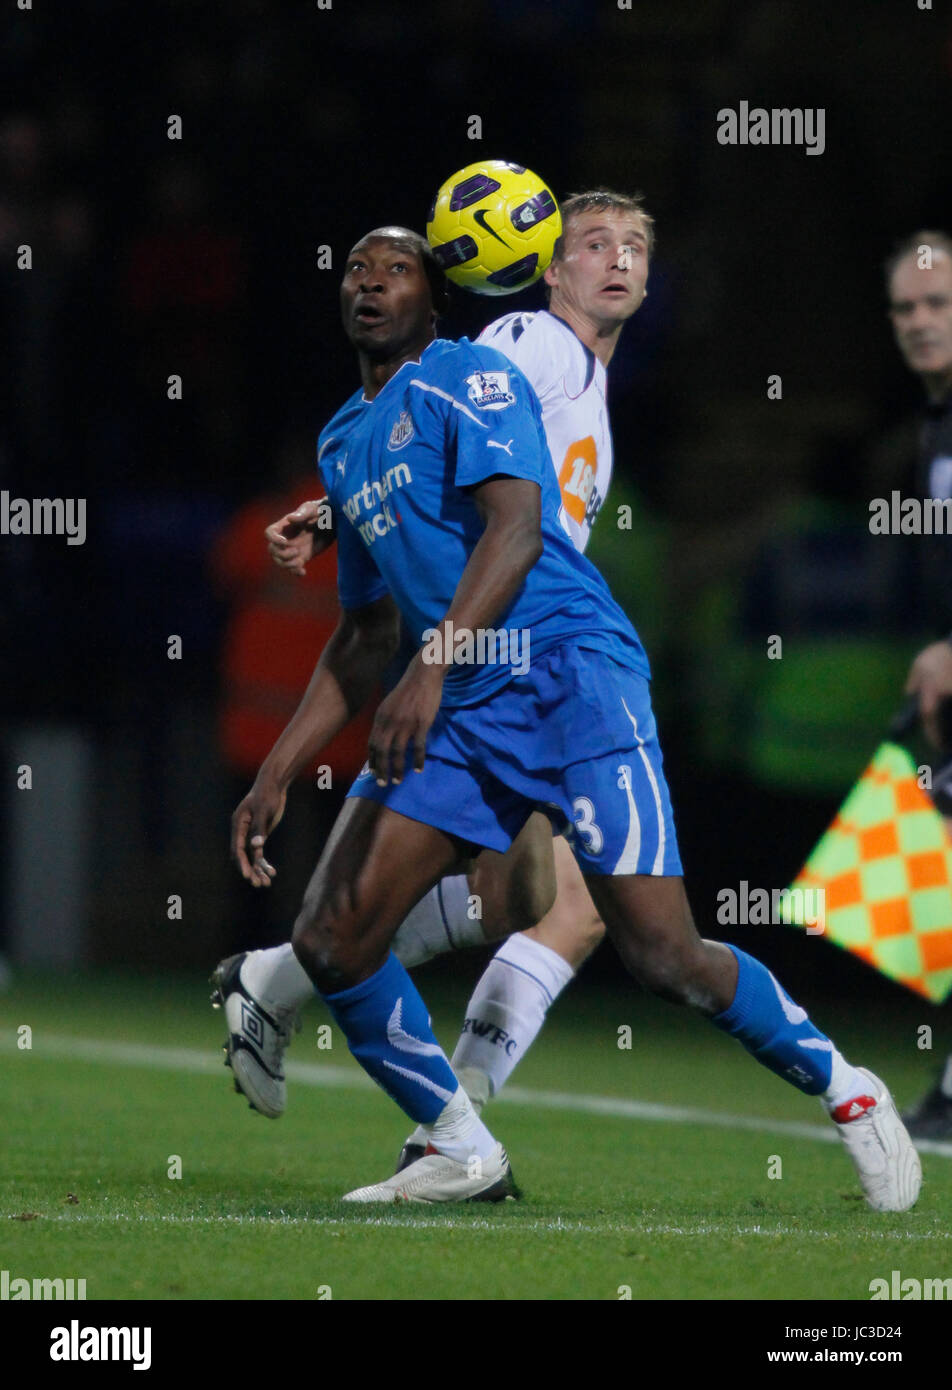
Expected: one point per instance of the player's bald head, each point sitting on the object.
(405, 239)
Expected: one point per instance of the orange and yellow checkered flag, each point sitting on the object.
(885, 868)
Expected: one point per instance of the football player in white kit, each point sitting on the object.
(596, 281)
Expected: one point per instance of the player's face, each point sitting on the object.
(385, 298)
(920, 306)
(604, 267)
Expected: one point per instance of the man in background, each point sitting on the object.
(919, 283)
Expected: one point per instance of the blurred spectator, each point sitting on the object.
(278, 626)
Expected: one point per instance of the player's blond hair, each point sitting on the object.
(603, 200)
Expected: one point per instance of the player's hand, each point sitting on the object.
(406, 714)
(255, 818)
(300, 536)
(930, 677)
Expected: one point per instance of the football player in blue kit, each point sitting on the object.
(447, 513)
(596, 281)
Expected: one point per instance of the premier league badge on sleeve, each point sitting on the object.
(489, 390)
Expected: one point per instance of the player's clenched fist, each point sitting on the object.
(255, 818)
(300, 536)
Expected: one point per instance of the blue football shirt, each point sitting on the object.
(398, 470)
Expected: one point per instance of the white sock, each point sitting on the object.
(458, 1132)
(845, 1083)
(508, 1007)
(475, 1084)
(440, 922)
(276, 978)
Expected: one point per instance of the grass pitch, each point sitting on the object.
(123, 1086)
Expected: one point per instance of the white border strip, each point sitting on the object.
(61, 1048)
(442, 1221)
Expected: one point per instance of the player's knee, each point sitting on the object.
(327, 943)
(317, 951)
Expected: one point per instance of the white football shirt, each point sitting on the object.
(570, 383)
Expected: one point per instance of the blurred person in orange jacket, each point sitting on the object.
(277, 625)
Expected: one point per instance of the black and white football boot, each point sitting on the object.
(257, 1039)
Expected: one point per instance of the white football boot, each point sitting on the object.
(257, 1040)
(435, 1178)
(879, 1145)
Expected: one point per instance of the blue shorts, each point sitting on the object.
(574, 737)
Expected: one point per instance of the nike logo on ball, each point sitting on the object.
(480, 216)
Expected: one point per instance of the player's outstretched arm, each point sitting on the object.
(344, 678)
(511, 543)
(301, 536)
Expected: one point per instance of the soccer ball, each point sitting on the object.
(493, 227)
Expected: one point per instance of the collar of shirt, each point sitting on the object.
(411, 362)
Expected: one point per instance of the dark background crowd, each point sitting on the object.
(302, 127)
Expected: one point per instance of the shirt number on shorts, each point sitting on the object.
(585, 825)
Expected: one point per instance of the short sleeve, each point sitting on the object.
(359, 581)
(538, 346)
(496, 423)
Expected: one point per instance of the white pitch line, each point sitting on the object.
(442, 1223)
(326, 1074)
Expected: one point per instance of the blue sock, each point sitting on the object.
(775, 1030)
(388, 1030)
